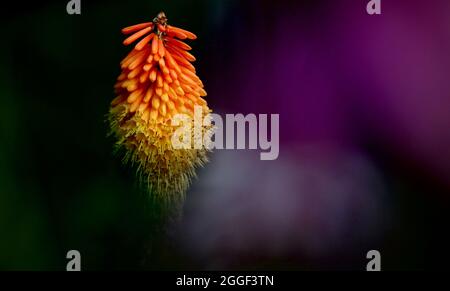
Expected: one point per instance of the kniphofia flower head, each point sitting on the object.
(157, 82)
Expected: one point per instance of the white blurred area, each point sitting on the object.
(313, 201)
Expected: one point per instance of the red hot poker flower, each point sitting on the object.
(157, 82)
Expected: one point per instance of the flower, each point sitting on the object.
(157, 82)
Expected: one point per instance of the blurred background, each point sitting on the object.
(364, 138)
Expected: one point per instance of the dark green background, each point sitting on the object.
(62, 188)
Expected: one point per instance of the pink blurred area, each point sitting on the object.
(403, 59)
(340, 80)
(338, 75)
(312, 202)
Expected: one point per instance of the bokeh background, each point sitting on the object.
(364, 138)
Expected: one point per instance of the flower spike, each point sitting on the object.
(158, 82)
